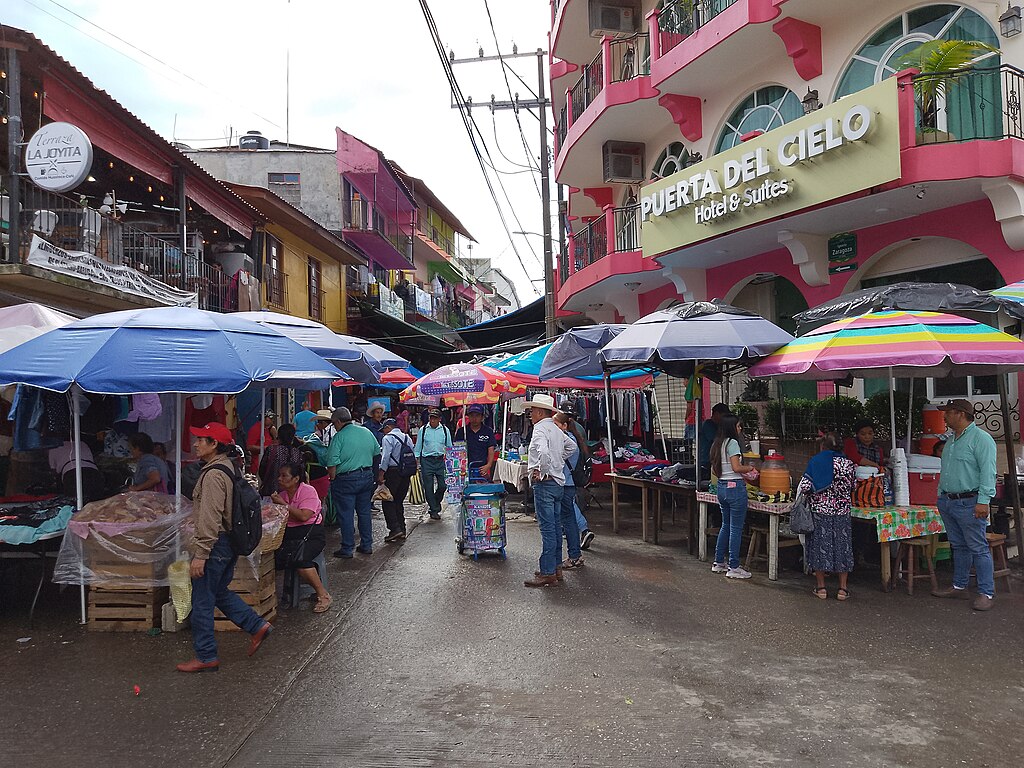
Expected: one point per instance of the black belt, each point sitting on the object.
(352, 472)
(964, 495)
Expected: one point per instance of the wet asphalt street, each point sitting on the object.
(643, 658)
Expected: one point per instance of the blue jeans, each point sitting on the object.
(570, 528)
(732, 498)
(432, 476)
(350, 495)
(581, 521)
(967, 541)
(211, 591)
(547, 501)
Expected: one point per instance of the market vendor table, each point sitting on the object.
(602, 471)
(775, 514)
(895, 523)
(514, 473)
(648, 487)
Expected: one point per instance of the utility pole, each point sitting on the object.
(541, 103)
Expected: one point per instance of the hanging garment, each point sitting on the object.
(161, 428)
(145, 407)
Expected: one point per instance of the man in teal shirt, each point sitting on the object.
(433, 439)
(967, 483)
(350, 459)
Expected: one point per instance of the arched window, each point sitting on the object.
(675, 157)
(880, 56)
(763, 110)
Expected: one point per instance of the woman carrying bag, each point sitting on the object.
(827, 485)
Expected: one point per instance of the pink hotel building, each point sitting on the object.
(776, 154)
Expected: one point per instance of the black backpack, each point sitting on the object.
(246, 513)
(407, 461)
(582, 472)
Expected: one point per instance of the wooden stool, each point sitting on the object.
(906, 559)
(758, 549)
(1001, 566)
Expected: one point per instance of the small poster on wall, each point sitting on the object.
(383, 402)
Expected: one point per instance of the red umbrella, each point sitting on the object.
(398, 376)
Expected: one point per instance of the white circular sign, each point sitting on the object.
(58, 157)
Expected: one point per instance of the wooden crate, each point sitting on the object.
(258, 590)
(125, 609)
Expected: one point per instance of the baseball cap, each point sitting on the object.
(342, 415)
(434, 412)
(389, 423)
(269, 415)
(476, 408)
(959, 404)
(215, 431)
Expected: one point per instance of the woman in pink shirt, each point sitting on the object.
(304, 538)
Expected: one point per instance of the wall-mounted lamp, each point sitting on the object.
(1009, 22)
(811, 102)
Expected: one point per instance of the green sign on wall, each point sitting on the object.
(842, 248)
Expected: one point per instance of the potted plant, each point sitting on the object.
(943, 65)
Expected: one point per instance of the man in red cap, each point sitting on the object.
(213, 559)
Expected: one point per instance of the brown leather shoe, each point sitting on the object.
(259, 637)
(558, 574)
(952, 592)
(542, 581)
(199, 666)
(983, 603)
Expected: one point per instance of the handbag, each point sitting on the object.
(869, 492)
(416, 494)
(801, 519)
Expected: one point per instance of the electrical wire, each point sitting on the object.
(134, 48)
(469, 123)
(510, 161)
(508, 87)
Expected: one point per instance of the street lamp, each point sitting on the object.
(1009, 22)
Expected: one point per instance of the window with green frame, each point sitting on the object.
(764, 110)
(973, 111)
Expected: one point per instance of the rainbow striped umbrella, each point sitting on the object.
(899, 344)
(462, 384)
(1013, 292)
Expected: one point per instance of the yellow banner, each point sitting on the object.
(848, 146)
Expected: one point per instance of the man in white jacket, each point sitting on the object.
(549, 449)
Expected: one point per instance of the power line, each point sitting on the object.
(469, 124)
(497, 144)
(508, 87)
(134, 48)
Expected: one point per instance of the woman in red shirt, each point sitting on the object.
(862, 449)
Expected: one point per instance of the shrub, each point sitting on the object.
(805, 417)
(748, 415)
(755, 391)
(839, 414)
(877, 409)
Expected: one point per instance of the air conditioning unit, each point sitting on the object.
(610, 20)
(623, 162)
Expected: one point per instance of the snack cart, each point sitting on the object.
(481, 521)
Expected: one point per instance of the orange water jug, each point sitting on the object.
(775, 477)
(926, 444)
(934, 424)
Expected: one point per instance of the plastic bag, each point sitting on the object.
(800, 518)
(383, 493)
(181, 588)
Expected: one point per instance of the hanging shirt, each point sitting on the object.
(305, 423)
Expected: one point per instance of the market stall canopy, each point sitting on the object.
(900, 344)
(166, 349)
(575, 353)
(362, 360)
(527, 365)
(22, 322)
(914, 297)
(462, 384)
(673, 339)
(1012, 294)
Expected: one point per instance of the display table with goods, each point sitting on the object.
(30, 529)
(512, 472)
(775, 511)
(126, 547)
(657, 479)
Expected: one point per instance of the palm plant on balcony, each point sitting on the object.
(943, 65)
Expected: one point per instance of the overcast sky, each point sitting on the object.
(369, 68)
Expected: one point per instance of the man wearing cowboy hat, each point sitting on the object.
(967, 483)
(325, 428)
(374, 421)
(550, 447)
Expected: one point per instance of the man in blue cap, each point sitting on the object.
(480, 442)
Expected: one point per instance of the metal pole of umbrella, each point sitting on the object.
(79, 492)
(1011, 463)
(263, 428)
(910, 415)
(698, 416)
(661, 426)
(892, 409)
(608, 419)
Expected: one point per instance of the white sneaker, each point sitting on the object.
(738, 573)
(719, 568)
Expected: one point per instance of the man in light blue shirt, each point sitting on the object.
(433, 440)
(967, 483)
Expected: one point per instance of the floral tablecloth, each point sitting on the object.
(894, 523)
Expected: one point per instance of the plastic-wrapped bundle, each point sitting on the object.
(126, 540)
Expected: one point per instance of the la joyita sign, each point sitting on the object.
(699, 190)
(58, 157)
(846, 147)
